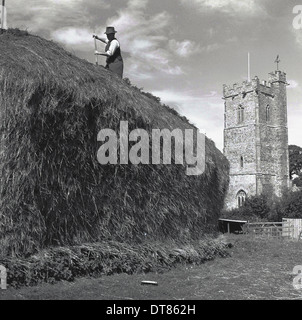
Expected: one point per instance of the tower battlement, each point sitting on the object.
(277, 76)
(237, 89)
(267, 86)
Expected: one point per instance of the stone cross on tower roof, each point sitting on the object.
(277, 61)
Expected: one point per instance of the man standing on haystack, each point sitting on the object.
(114, 61)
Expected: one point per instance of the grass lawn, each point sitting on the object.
(257, 269)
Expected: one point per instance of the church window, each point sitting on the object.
(240, 114)
(241, 197)
(268, 115)
(241, 162)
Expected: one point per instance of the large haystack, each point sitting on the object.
(53, 190)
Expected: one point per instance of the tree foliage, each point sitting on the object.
(289, 206)
(263, 208)
(295, 160)
(255, 208)
(298, 181)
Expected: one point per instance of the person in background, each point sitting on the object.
(114, 61)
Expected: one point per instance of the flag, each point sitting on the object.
(3, 23)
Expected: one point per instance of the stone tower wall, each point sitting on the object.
(260, 141)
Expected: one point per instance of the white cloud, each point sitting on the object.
(175, 96)
(184, 48)
(249, 7)
(72, 36)
(141, 44)
(212, 94)
(135, 24)
(293, 84)
(294, 126)
(145, 38)
(45, 17)
(174, 71)
(187, 48)
(204, 111)
(137, 4)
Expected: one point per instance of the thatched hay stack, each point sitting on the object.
(53, 190)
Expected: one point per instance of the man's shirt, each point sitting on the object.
(113, 46)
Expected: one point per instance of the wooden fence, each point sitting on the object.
(295, 228)
(270, 229)
(287, 229)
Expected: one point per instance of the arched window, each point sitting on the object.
(241, 162)
(240, 114)
(241, 197)
(268, 113)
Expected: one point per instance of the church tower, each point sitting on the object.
(256, 138)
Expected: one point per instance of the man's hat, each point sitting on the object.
(110, 30)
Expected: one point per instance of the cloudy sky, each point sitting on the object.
(182, 51)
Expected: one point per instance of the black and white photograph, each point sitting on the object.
(151, 153)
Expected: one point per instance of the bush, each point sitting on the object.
(255, 208)
(290, 205)
(107, 258)
(266, 209)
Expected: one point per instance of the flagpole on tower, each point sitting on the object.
(248, 68)
(277, 61)
(3, 16)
